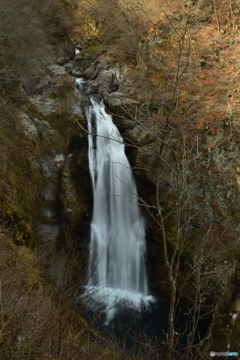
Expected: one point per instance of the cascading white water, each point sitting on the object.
(116, 270)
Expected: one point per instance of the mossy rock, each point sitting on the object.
(22, 232)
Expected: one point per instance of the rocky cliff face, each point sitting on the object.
(197, 167)
(45, 187)
(193, 172)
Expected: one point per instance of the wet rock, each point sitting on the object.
(92, 87)
(77, 73)
(50, 177)
(69, 197)
(75, 183)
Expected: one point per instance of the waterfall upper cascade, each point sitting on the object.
(117, 273)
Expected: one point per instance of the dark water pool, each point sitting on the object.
(145, 332)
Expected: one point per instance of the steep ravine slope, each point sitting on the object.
(38, 155)
(198, 168)
(44, 213)
(45, 189)
(181, 63)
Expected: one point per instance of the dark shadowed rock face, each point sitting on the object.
(44, 158)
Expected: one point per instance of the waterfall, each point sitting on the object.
(116, 272)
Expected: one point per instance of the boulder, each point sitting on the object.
(69, 66)
(33, 81)
(92, 87)
(107, 82)
(77, 72)
(55, 70)
(79, 66)
(118, 99)
(93, 71)
(60, 95)
(60, 61)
